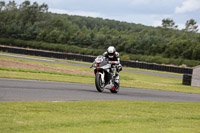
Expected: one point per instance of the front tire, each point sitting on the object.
(98, 83)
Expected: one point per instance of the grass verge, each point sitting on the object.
(45, 75)
(99, 116)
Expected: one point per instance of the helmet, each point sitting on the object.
(111, 51)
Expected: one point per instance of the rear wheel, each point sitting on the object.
(115, 89)
(98, 83)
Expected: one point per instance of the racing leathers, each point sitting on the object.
(114, 61)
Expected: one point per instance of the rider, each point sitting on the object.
(113, 57)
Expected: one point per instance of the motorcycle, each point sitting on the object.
(105, 77)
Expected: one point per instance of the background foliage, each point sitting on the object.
(32, 22)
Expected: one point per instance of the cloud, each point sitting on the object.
(139, 2)
(188, 6)
(146, 19)
(157, 23)
(76, 12)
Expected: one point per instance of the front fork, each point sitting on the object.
(102, 77)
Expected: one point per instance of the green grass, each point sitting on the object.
(46, 76)
(127, 79)
(99, 117)
(154, 71)
(144, 81)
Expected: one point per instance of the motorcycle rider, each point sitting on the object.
(113, 57)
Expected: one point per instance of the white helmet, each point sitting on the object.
(111, 51)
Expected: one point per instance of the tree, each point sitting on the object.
(196, 52)
(169, 23)
(25, 5)
(53, 36)
(2, 5)
(11, 6)
(32, 21)
(191, 26)
(44, 8)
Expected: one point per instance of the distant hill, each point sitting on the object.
(33, 22)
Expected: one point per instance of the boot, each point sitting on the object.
(117, 77)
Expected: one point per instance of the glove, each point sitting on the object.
(91, 66)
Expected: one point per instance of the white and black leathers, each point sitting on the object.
(115, 60)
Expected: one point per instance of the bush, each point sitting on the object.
(124, 57)
(89, 51)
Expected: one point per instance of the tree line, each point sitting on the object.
(31, 21)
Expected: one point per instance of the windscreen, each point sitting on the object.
(99, 59)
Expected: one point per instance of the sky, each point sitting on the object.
(146, 12)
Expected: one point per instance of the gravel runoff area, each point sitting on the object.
(24, 65)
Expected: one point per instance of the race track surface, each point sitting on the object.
(33, 90)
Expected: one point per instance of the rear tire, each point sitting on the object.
(98, 83)
(116, 90)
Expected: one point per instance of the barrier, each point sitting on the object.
(87, 58)
(196, 76)
(158, 67)
(187, 78)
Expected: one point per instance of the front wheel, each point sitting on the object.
(98, 83)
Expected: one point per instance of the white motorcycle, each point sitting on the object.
(105, 77)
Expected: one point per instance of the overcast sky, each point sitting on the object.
(146, 12)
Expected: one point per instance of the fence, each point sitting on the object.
(88, 58)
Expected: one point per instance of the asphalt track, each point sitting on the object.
(83, 65)
(33, 90)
